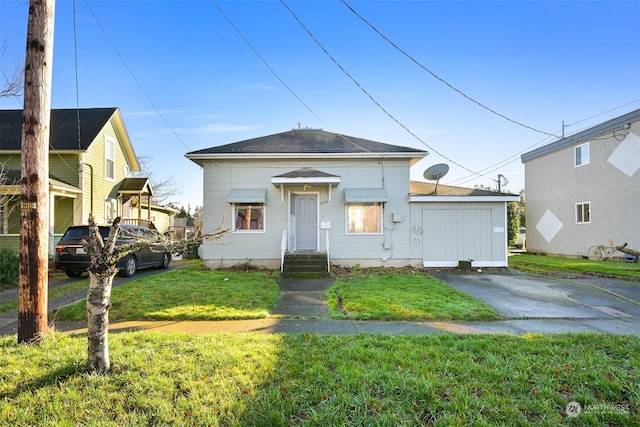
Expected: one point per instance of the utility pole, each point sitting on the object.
(34, 187)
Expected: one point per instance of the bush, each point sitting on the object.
(9, 269)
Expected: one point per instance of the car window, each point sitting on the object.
(79, 233)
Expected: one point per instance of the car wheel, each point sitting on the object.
(130, 266)
(165, 261)
(73, 274)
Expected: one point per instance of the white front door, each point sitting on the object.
(306, 213)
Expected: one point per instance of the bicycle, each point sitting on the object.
(601, 252)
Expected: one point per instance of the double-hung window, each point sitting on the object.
(583, 213)
(109, 158)
(581, 154)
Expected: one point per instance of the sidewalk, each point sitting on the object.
(302, 308)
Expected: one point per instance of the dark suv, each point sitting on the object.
(74, 260)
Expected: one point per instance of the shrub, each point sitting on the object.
(9, 268)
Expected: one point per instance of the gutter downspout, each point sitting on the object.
(91, 183)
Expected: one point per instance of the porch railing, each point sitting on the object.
(283, 249)
(135, 221)
(326, 240)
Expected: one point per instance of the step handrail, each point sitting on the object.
(326, 240)
(283, 249)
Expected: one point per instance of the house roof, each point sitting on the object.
(426, 191)
(64, 130)
(305, 143)
(135, 186)
(306, 173)
(583, 136)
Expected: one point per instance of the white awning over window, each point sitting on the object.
(258, 196)
(365, 195)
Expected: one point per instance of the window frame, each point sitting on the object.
(380, 206)
(582, 149)
(109, 156)
(234, 215)
(110, 209)
(581, 212)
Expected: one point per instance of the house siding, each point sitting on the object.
(554, 186)
(65, 167)
(102, 188)
(459, 231)
(222, 176)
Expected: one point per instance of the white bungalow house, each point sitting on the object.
(585, 189)
(347, 198)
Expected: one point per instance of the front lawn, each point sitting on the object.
(189, 293)
(551, 265)
(401, 294)
(320, 380)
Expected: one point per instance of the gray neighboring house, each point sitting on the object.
(585, 189)
(312, 191)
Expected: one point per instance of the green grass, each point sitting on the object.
(189, 293)
(551, 265)
(319, 380)
(390, 294)
(53, 293)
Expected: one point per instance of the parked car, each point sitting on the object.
(521, 242)
(74, 260)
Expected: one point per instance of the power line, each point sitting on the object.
(391, 116)
(514, 157)
(277, 76)
(135, 78)
(440, 78)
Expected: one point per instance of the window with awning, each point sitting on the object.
(364, 210)
(249, 209)
(247, 196)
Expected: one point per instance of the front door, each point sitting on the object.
(306, 222)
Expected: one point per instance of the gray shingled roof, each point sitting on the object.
(419, 188)
(64, 128)
(306, 173)
(305, 141)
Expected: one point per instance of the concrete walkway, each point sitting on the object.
(531, 304)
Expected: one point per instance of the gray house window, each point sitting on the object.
(582, 154)
(248, 217)
(583, 213)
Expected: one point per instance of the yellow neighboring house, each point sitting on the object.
(91, 160)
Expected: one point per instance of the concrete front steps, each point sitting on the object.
(305, 265)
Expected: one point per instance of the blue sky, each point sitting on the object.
(185, 79)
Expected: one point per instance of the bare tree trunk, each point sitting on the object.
(98, 305)
(101, 274)
(34, 193)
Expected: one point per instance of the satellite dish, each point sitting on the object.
(435, 172)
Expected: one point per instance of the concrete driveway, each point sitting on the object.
(540, 304)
